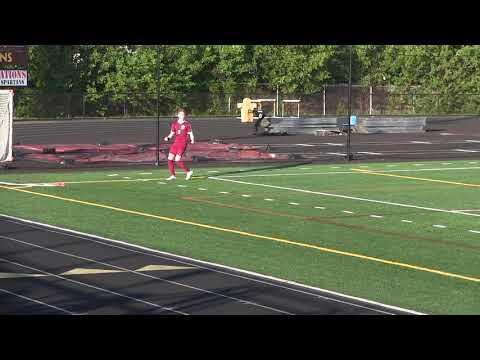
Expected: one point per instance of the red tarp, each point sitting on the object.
(135, 153)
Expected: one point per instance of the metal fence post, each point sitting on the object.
(83, 105)
(324, 100)
(157, 162)
(371, 100)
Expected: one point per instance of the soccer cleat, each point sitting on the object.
(189, 174)
(172, 177)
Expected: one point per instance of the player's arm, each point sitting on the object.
(169, 136)
(192, 139)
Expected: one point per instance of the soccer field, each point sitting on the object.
(403, 234)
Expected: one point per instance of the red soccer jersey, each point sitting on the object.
(181, 131)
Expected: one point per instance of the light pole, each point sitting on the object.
(157, 163)
(349, 156)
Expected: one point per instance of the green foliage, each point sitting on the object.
(123, 79)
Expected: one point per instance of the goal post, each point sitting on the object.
(6, 125)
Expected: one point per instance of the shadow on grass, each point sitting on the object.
(282, 166)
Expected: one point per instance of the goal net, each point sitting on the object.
(6, 125)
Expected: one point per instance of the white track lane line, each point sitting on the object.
(346, 197)
(82, 283)
(193, 262)
(39, 302)
(141, 274)
(468, 151)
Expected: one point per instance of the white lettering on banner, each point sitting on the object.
(13, 77)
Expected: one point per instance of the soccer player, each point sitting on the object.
(181, 129)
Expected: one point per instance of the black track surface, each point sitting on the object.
(203, 289)
(446, 138)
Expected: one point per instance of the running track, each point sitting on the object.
(40, 273)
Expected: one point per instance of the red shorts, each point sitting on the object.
(178, 148)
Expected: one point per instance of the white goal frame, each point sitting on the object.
(6, 127)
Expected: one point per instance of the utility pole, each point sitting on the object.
(349, 156)
(157, 163)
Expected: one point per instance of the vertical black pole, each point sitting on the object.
(349, 155)
(157, 163)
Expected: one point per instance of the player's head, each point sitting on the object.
(181, 112)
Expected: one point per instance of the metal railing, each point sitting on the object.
(329, 100)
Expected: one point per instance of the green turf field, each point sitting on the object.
(400, 234)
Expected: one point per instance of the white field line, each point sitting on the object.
(407, 221)
(347, 172)
(439, 226)
(474, 231)
(376, 216)
(369, 153)
(346, 197)
(243, 176)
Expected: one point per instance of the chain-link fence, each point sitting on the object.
(330, 100)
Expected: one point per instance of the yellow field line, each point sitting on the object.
(369, 172)
(253, 235)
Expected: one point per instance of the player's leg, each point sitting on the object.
(171, 165)
(178, 160)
